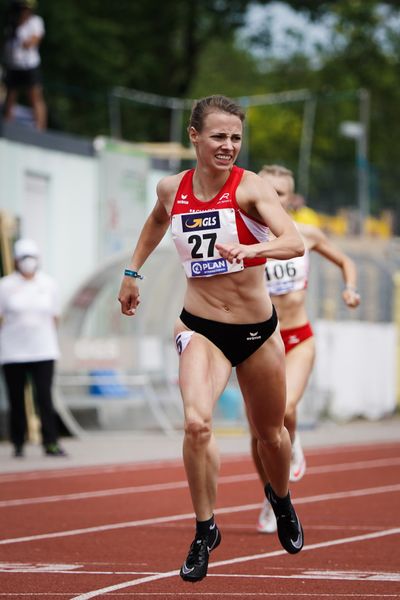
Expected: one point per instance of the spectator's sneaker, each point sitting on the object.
(196, 564)
(297, 461)
(18, 451)
(266, 520)
(290, 531)
(54, 450)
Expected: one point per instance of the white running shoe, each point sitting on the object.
(266, 520)
(297, 461)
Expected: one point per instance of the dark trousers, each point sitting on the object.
(41, 375)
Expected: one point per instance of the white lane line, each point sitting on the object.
(348, 448)
(318, 575)
(359, 465)
(192, 594)
(240, 526)
(67, 471)
(308, 547)
(241, 559)
(98, 528)
(180, 517)
(17, 567)
(69, 572)
(348, 494)
(83, 471)
(140, 489)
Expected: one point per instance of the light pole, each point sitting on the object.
(358, 131)
(307, 135)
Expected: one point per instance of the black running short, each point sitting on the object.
(236, 341)
(22, 78)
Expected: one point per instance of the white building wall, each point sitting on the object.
(55, 196)
(355, 369)
(124, 173)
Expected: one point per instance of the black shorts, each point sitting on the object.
(236, 341)
(22, 78)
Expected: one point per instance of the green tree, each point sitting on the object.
(154, 46)
(361, 51)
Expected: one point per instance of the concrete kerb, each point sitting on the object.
(108, 448)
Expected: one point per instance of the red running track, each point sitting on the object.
(123, 531)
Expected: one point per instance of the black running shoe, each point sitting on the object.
(54, 450)
(18, 451)
(290, 531)
(195, 566)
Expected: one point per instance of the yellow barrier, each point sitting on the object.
(307, 216)
(7, 234)
(340, 224)
(335, 224)
(378, 227)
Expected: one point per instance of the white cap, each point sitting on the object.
(25, 247)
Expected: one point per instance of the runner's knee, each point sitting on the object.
(198, 431)
(271, 438)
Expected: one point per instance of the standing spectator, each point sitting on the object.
(21, 59)
(29, 309)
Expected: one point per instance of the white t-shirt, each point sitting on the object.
(18, 57)
(27, 308)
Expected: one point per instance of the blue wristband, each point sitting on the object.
(134, 274)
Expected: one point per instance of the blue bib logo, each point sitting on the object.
(200, 221)
(202, 268)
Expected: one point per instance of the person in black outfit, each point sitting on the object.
(29, 309)
(21, 59)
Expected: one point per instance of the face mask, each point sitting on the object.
(28, 265)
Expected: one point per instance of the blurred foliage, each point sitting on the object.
(361, 51)
(94, 45)
(191, 48)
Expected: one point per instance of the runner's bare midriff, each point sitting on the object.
(208, 297)
(291, 309)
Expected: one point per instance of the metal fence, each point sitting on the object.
(139, 355)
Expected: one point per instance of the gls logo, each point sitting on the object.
(200, 221)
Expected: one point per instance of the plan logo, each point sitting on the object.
(200, 221)
(204, 268)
